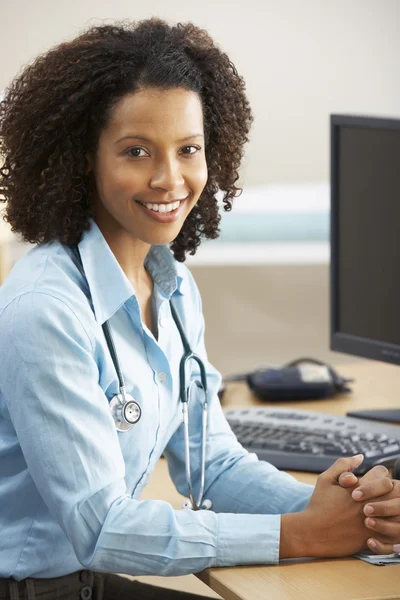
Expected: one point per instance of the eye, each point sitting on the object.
(189, 153)
(136, 149)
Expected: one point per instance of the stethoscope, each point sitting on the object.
(126, 411)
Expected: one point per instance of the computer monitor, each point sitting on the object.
(365, 242)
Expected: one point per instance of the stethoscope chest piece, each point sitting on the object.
(125, 410)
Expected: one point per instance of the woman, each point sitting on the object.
(115, 145)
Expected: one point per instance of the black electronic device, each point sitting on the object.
(365, 242)
(301, 379)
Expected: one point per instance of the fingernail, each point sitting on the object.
(357, 494)
(396, 548)
(358, 456)
(371, 522)
(369, 510)
(372, 544)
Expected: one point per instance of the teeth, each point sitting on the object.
(162, 208)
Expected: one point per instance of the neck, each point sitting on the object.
(131, 257)
(130, 253)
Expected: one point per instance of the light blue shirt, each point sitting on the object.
(70, 483)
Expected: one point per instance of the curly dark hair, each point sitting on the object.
(55, 109)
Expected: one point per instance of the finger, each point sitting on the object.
(373, 489)
(384, 508)
(389, 529)
(347, 480)
(374, 473)
(392, 519)
(379, 547)
(339, 466)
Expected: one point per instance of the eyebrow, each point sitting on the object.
(144, 139)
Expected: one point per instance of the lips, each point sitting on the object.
(162, 207)
(161, 217)
(163, 203)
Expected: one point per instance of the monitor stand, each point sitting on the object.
(392, 415)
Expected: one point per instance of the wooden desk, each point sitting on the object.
(376, 385)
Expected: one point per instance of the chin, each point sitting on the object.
(161, 239)
(164, 241)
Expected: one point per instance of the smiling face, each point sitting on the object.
(150, 167)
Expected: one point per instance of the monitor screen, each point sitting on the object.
(365, 237)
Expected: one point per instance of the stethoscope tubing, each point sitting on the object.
(184, 398)
(114, 356)
(183, 394)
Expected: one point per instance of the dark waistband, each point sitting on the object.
(31, 587)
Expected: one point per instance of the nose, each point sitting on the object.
(167, 175)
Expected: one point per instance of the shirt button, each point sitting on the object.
(163, 322)
(162, 377)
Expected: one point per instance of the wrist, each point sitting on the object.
(294, 536)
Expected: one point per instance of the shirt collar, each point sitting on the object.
(109, 286)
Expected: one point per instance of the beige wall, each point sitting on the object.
(266, 315)
(301, 59)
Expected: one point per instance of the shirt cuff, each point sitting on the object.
(247, 540)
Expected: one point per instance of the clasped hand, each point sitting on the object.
(346, 515)
(379, 496)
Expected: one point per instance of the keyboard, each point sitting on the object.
(305, 440)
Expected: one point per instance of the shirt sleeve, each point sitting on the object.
(238, 484)
(49, 378)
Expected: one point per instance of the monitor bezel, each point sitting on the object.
(339, 341)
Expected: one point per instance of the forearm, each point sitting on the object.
(255, 487)
(150, 538)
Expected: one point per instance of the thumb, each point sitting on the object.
(345, 464)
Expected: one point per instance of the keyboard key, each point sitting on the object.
(391, 449)
(373, 453)
(330, 449)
